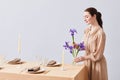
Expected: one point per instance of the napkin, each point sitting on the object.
(52, 62)
(15, 61)
(1, 68)
(37, 68)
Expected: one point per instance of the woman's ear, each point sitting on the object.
(94, 16)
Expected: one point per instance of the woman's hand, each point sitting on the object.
(79, 59)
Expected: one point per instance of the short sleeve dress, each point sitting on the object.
(94, 47)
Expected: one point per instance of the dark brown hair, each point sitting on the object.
(93, 11)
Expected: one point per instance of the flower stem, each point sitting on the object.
(73, 39)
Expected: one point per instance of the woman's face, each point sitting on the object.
(88, 18)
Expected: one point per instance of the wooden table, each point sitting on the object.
(19, 72)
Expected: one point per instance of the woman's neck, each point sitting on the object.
(94, 25)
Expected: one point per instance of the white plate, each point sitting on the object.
(37, 72)
(57, 64)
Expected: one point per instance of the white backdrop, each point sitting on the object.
(44, 26)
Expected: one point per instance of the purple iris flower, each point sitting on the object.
(73, 31)
(71, 49)
(82, 46)
(74, 48)
(66, 45)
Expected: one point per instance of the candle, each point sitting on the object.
(19, 43)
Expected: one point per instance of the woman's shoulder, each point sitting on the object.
(101, 32)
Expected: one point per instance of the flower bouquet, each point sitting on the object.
(74, 48)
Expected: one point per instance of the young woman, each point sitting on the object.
(94, 41)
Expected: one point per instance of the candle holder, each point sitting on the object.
(63, 61)
(63, 68)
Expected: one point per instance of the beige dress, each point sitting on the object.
(95, 43)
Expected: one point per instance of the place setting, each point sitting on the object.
(16, 61)
(53, 63)
(37, 67)
(35, 70)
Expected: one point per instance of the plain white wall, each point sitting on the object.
(44, 26)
